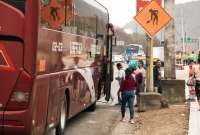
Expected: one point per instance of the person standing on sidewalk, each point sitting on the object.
(191, 88)
(140, 79)
(127, 88)
(120, 75)
(196, 74)
(157, 76)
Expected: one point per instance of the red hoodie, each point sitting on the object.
(128, 84)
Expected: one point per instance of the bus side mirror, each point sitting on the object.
(110, 28)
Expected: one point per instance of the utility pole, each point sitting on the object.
(169, 48)
(182, 31)
(150, 85)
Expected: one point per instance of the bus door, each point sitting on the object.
(11, 56)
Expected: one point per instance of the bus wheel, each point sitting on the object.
(60, 129)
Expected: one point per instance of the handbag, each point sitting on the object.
(191, 81)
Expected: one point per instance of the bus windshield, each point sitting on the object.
(19, 4)
(133, 50)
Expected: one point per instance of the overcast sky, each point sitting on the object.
(122, 11)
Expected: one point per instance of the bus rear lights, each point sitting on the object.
(20, 96)
(19, 99)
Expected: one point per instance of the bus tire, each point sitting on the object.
(60, 128)
(92, 108)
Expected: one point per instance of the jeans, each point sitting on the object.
(139, 89)
(128, 96)
(157, 83)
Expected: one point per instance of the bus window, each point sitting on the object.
(53, 14)
(83, 22)
(19, 4)
(69, 10)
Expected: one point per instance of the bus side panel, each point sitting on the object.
(59, 53)
(56, 95)
(31, 35)
(40, 104)
(81, 95)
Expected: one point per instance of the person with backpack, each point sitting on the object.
(127, 89)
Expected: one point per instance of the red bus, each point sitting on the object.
(55, 59)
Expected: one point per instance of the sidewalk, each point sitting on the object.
(194, 119)
(125, 128)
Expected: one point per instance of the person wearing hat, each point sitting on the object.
(127, 88)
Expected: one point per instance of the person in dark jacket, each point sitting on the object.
(127, 88)
(157, 76)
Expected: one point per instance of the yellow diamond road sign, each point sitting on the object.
(152, 18)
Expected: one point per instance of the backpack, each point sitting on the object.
(139, 77)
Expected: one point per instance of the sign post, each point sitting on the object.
(151, 85)
(152, 18)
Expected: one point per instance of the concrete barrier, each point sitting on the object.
(173, 90)
(149, 101)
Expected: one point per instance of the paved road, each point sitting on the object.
(100, 122)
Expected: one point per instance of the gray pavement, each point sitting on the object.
(194, 119)
(99, 122)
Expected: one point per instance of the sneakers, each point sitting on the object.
(113, 104)
(131, 121)
(123, 120)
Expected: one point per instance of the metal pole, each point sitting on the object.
(182, 31)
